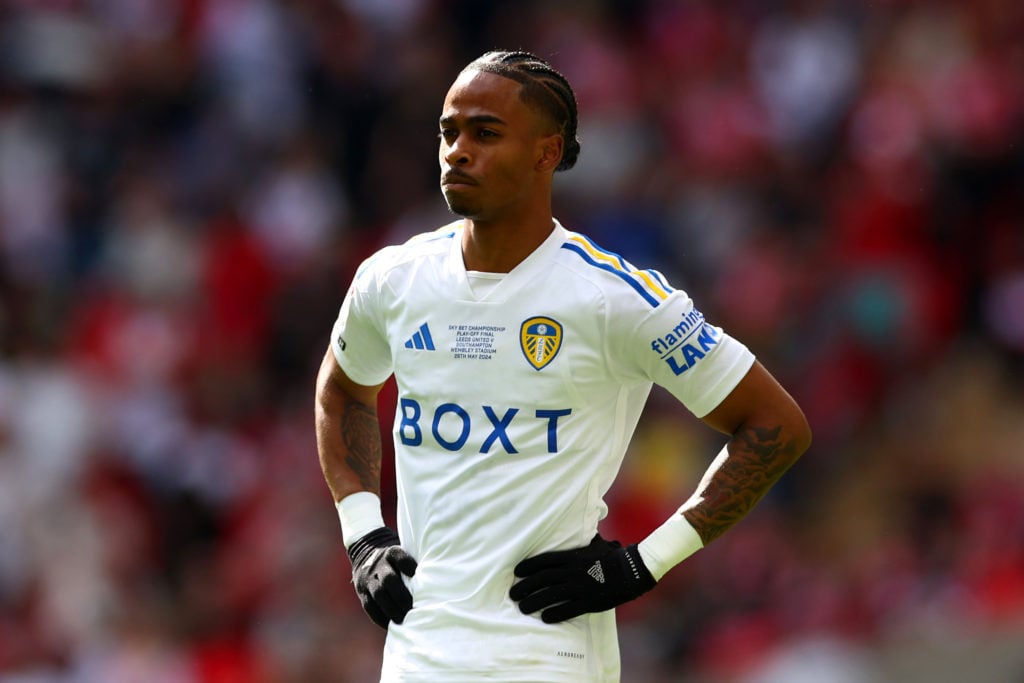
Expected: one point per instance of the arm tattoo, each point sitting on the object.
(361, 433)
(758, 456)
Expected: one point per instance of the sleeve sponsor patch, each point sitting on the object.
(687, 342)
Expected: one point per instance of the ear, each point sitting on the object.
(549, 152)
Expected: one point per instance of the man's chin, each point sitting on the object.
(461, 208)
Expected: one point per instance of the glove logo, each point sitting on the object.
(540, 339)
(596, 572)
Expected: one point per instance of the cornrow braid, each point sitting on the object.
(544, 88)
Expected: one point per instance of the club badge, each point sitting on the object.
(540, 339)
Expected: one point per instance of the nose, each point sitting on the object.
(454, 153)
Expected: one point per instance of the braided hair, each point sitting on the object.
(543, 88)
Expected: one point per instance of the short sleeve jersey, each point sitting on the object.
(514, 412)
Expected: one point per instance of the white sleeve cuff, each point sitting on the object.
(359, 514)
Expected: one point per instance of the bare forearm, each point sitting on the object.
(350, 450)
(753, 460)
(348, 437)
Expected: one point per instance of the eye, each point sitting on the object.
(487, 133)
(448, 134)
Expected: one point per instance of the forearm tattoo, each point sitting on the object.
(757, 458)
(361, 433)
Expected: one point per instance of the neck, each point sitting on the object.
(493, 247)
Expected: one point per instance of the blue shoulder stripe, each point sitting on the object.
(649, 284)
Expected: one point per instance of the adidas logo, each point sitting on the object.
(596, 572)
(421, 340)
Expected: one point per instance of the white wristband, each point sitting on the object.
(669, 544)
(359, 514)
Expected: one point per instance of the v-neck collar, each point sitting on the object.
(513, 279)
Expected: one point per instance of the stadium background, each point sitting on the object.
(187, 185)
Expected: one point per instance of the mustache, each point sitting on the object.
(457, 176)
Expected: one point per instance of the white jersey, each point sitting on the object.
(514, 412)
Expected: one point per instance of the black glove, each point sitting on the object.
(568, 583)
(378, 562)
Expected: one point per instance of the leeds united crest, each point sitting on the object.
(540, 339)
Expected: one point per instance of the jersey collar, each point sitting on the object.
(526, 270)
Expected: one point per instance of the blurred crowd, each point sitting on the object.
(186, 187)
